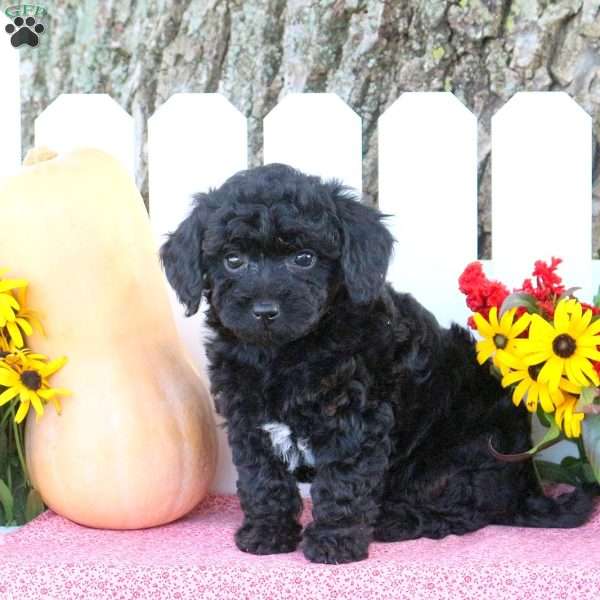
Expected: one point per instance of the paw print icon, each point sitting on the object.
(24, 31)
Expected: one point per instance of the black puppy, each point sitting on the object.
(325, 373)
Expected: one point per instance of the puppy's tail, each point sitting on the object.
(565, 511)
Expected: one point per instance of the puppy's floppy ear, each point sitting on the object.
(366, 246)
(181, 256)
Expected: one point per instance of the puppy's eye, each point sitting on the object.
(305, 259)
(234, 262)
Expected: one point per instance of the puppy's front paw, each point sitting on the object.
(335, 545)
(259, 537)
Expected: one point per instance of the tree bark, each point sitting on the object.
(366, 51)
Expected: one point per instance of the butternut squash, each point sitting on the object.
(135, 445)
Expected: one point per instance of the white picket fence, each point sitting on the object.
(541, 170)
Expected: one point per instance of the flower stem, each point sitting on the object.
(18, 444)
(581, 449)
(4, 418)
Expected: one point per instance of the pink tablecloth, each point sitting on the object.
(195, 558)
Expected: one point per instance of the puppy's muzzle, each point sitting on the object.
(265, 311)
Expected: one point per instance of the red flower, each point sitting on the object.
(481, 292)
(547, 287)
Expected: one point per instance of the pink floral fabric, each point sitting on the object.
(195, 558)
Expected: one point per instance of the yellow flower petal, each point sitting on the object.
(48, 394)
(22, 412)
(541, 329)
(557, 397)
(520, 325)
(567, 386)
(551, 373)
(15, 334)
(586, 367)
(536, 358)
(576, 424)
(561, 317)
(506, 321)
(520, 391)
(594, 328)
(579, 327)
(586, 341)
(57, 405)
(24, 325)
(590, 353)
(11, 284)
(53, 366)
(7, 395)
(573, 374)
(9, 301)
(8, 378)
(37, 403)
(508, 359)
(532, 398)
(493, 318)
(545, 399)
(483, 326)
(513, 377)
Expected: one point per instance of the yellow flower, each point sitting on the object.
(567, 419)
(25, 321)
(499, 337)
(6, 345)
(8, 304)
(26, 374)
(565, 347)
(533, 390)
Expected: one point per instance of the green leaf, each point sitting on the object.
(591, 443)
(20, 491)
(572, 470)
(552, 436)
(549, 471)
(6, 499)
(35, 505)
(570, 462)
(578, 468)
(545, 418)
(517, 300)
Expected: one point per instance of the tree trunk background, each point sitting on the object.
(366, 51)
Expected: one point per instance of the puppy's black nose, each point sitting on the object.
(266, 310)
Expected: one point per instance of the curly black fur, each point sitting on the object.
(346, 382)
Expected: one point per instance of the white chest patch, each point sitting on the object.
(293, 453)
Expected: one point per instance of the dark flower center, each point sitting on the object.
(534, 371)
(500, 341)
(31, 380)
(564, 345)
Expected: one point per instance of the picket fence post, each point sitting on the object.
(195, 142)
(318, 134)
(87, 120)
(542, 188)
(428, 184)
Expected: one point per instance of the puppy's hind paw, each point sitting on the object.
(335, 545)
(258, 537)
